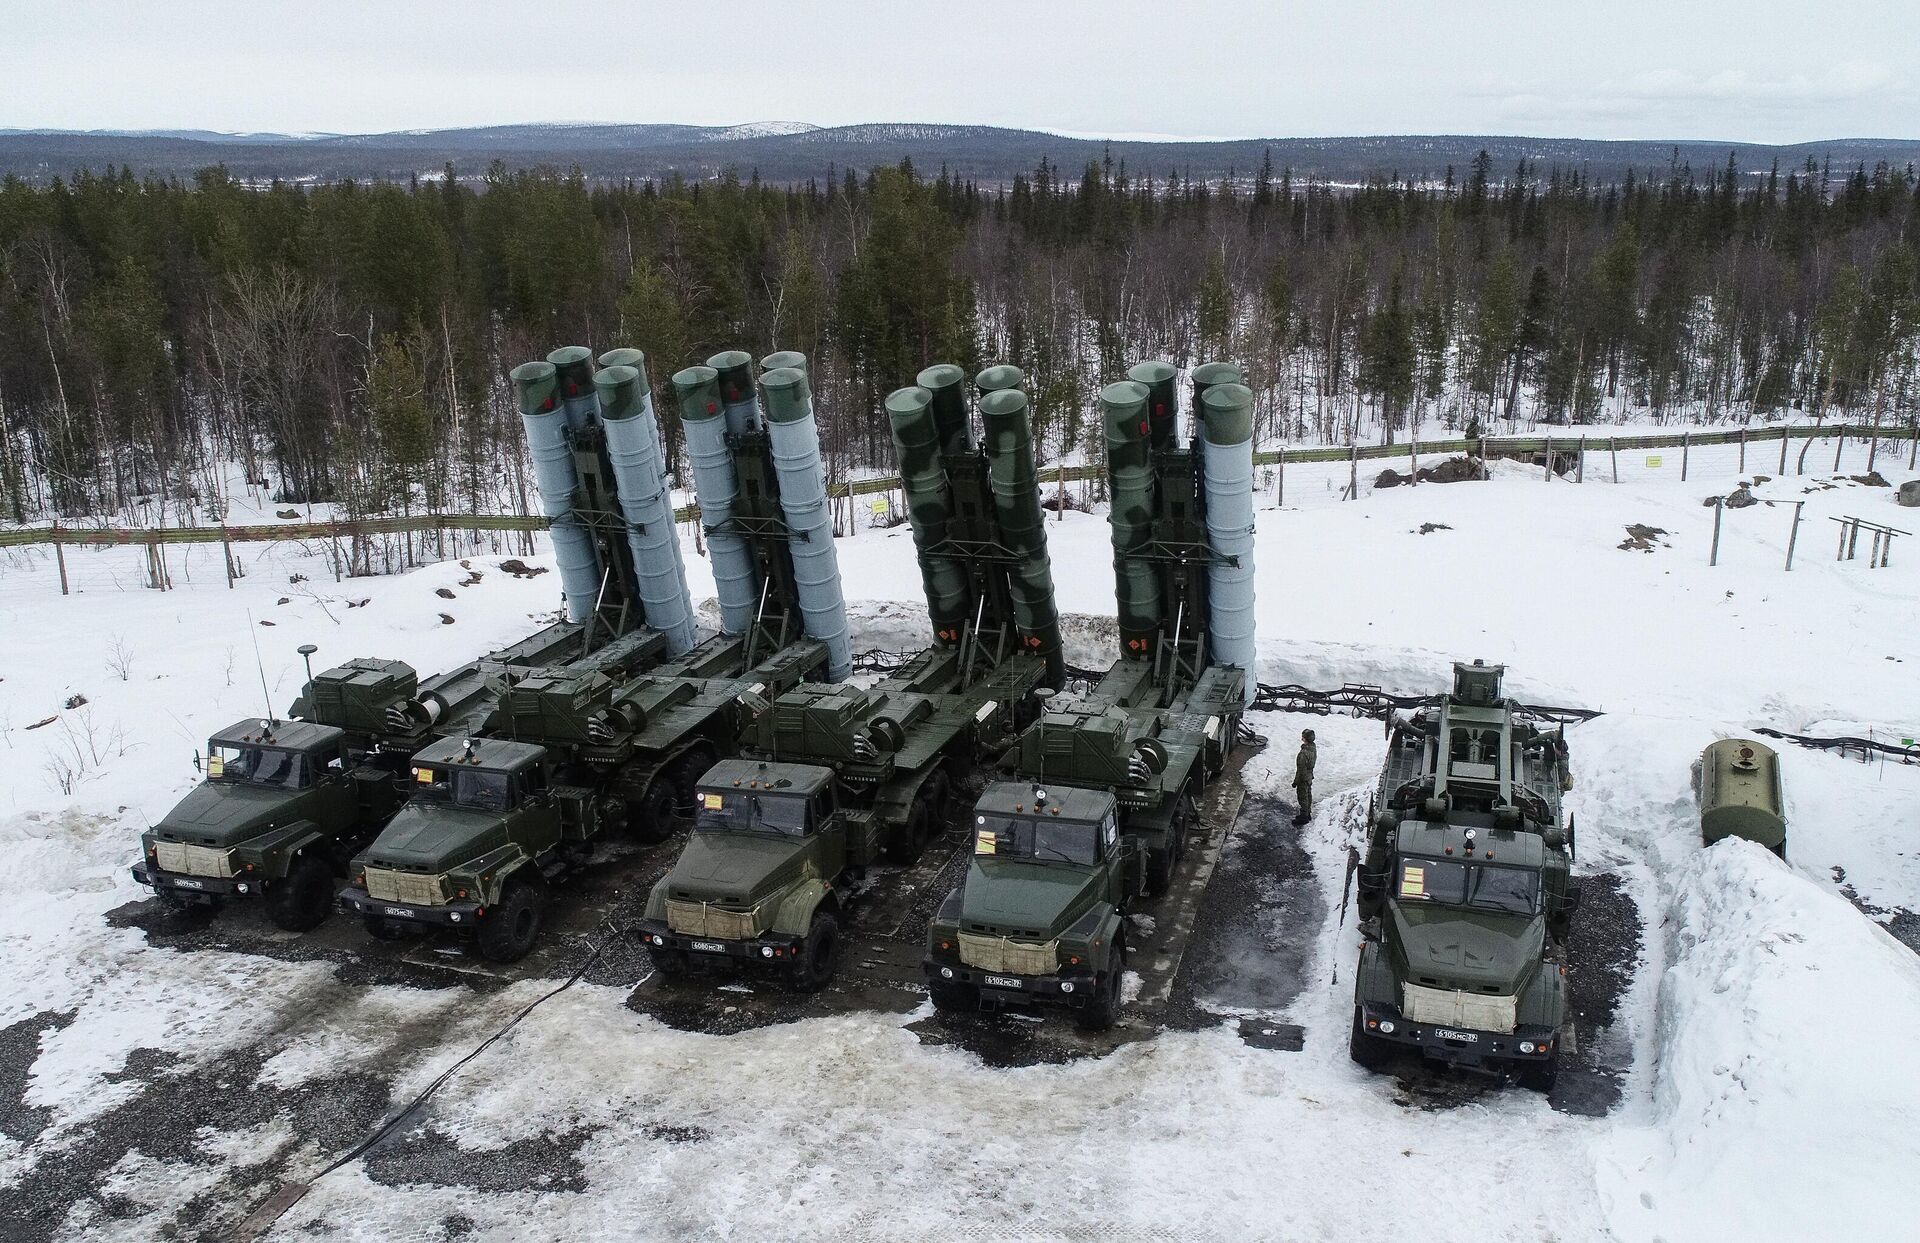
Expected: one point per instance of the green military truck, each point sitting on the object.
(284, 805)
(1466, 897)
(1040, 919)
(1128, 761)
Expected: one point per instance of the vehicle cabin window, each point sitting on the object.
(1445, 883)
(1109, 830)
(1514, 890)
(752, 811)
(1431, 880)
(481, 790)
(533, 780)
(264, 766)
(1049, 840)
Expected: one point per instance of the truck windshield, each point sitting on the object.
(1061, 841)
(482, 791)
(752, 811)
(1513, 890)
(263, 766)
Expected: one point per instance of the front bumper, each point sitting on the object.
(1458, 1046)
(765, 950)
(357, 901)
(999, 990)
(195, 888)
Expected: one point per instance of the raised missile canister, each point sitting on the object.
(1227, 451)
(716, 485)
(536, 390)
(1130, 479)
(633, 446)
(1016, 507)
(803, 500)
(952, 423)
(923, 478)
(637, 359)
(734, 370)
(785, 358)
(1163, 415)
(999, 378)
(573, 367)
(1205, 376)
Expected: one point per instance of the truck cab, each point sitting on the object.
(467, 851)
(1465, 956)
(1038, 919)
(762, 881)
(283, 806)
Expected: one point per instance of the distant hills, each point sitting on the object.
(792, 151)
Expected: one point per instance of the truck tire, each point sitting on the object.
(1538, 1076)
(905, 845)
(821, 956)
(952, 997)
(304, 896)
(688, 770)
(671, 964)
(653, 815)
(1104, 1006)
(1159, 870)
(1368, 1051)
(509, 930)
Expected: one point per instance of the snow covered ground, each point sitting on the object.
(1763, 1039)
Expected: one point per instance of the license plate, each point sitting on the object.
(708, 947)
(1001, 981)
(1447, 1033)
(398, 912)
(188, 884)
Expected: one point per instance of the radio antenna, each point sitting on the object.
(261, 665)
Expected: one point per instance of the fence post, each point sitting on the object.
(1580, 462)
(1059, 493)
(1873, 449)
(1546, 460)
(1838, 445)
(1783, 449)
(1613, 451)
(1414, 444)
(1686, 442)
(226, 552)
(1913, 451)
(1353, 469)
(60, 555)
(1280, 488)
(1719, 506)
(1743, 451)
(1794, 533)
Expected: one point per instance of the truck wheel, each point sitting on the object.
(1538, 1076)
(671, 964)
(1368, 1051)
(1104, 1006)
(953, 997)
(653, 816)
(510, 928)
(687, 772)
(304, 897)
(1182, 826)
(1159, 871)
(904, 846)
(821, 955)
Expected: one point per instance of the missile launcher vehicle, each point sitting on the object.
(1465, 895)
(835, 779)
(1098, 798)
(571, 753)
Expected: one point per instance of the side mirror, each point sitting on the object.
(196, 761)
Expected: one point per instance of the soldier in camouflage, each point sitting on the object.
(1303, 776)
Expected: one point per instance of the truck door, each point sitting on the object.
(829, 832)
(535, 822)
(336, 805)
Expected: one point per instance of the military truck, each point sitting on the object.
(1109, 779)
(1465, 895)
(595, 751)
(880, 764)
(285, 804)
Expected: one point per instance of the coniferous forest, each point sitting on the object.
(349, 342)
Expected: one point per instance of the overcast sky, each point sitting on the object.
(1751, 70)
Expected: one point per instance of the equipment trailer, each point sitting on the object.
(1100, 802)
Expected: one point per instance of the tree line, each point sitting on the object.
(349, 342)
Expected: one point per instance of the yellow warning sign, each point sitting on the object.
(1413, 882)
(1653, 461)
(985, 843)
(713, 802)
(215, 766)
(879, 505)
(423, 775)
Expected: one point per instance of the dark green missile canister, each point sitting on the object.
(947, 385)
(626, 356)
(999, 378)
(574, 365)
(1162, 412)
(1738, 781)
(1016, 503)
(1130, 480)
(618, 385)
(923, 479)
(785, 358)
(698, 391)
(1206, 376)
(734, 371)
(536, 387)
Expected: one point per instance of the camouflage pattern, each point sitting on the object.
(573, 366)
(785, 358)
(1130, 482)
(734, 371)
(1016, 502)
(923, 480)
(1207, 375)
(947, 386)
(1163, 415)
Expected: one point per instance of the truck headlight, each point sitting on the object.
(657, 939)
(946, 973)
(1066, 986)
(766, 951)
(453, 917)
(1386, 1027)
(1526, 1046)
(241, 887)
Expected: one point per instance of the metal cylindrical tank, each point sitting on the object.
(952, 421)
(786, 358)
(923, 479)
(1130, 480)
(734, 370)
(536, 390)
(1206, 375)
(716, 484)
(998, 378)
(573, 365)
(795, 441)
(1740, 794)
(633, 447)
(1226, 447)
(1016, 509)
(1163, 411)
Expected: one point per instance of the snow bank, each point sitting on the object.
(1786, 1079)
